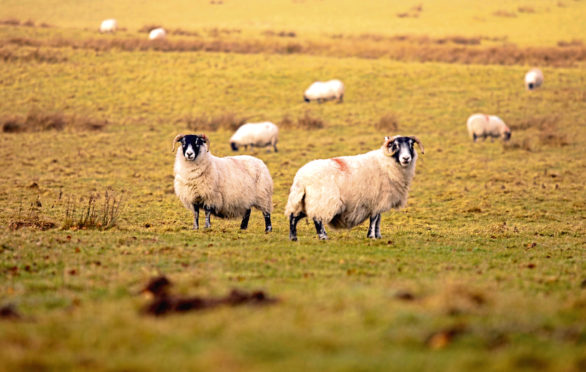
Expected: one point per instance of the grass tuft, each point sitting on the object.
(389, 122)
(94, 213)
(308, 121)
(211, 123)
(505, 14)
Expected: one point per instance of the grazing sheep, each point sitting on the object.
(255, 134)
(480, 125)
(345, 191)
(323, 91)
(157, 34)
(225, 187)
(533, 79)
(109, 25)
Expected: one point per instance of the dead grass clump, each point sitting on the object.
(29, 23)
(537, 122)
(182, 32)
(96, 212)
(526, 9)
(526, 144)
(8, 55)
(307, 121)
(38, 122)
(148, 28)
(389, 122)
(505, 14)
(31, 218)
(10, 22)
(571, 43)
(228, 121)
(286, 122)
(550, 136)
(280, 33)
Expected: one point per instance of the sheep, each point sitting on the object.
(225, 187)
(323, 91)
(480, 125)
(157, 34)
(345, 191)
(255, 134)
(533, 79)
(108, 25)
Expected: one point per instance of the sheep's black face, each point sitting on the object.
(305, 98)
(531, 86)
(191, 145)
(507, 136)
(234, 146)
(401, 149)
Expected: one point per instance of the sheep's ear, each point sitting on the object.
(418, 142)
(206, 140)
(386, 144)
(177, 139)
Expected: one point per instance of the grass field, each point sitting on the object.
(485, 269)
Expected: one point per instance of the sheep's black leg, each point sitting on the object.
(377, 230)
(244, 224)
(208, 211)
(275, 147)
(268, 226)
(372, 227)
(293, 225)
(195, 216)
(319, 228)
(474, 137)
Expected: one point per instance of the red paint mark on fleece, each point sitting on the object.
(341, 164)
(487, 118)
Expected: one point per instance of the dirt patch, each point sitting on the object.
(389, 122)
(165, 303)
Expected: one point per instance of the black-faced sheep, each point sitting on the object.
(225, 187)
(345, 191)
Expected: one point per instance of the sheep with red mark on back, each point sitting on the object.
(343, 192)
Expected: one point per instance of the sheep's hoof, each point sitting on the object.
(269, 229)
(378, 236)
(293, 238)
(323, 237)
(195, 228)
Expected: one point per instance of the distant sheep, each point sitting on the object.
(109, 25)
(482, 126)
(157, 34)
(324, 91)
(225, 187)
(533, 79)
(255, 135)
(345, 191)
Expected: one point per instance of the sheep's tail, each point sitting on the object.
(295, 203)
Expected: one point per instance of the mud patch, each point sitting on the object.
(164, 303)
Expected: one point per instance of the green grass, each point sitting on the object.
(491, 243)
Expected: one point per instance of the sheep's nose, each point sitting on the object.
(189, 154)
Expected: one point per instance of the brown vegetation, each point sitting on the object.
(211, 123)
(308, 121)
(571, 43)
(548, 133)
(95, 213)
(526, 9)
(280, 33)
(454, 49)
(38, 121)
(37, 55)
(504, 13)
(31, 218)
(389, 122)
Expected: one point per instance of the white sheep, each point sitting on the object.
(108, 25)
(255, 134)
(321, 91)
(345, 191)
(482, 126)
(157, 34)
(225, 187)
(533, 79)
